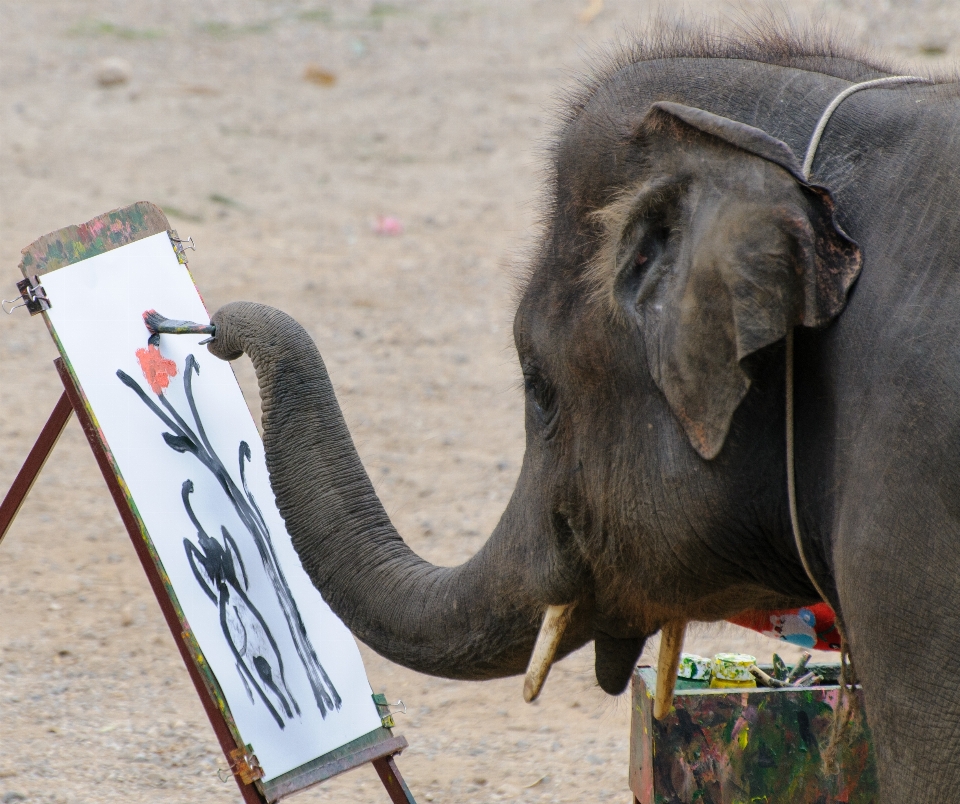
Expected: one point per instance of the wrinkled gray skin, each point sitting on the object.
(649, 490)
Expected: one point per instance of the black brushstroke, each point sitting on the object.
(220, 582)
(183, 439)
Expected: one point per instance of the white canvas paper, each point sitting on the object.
(295, 693)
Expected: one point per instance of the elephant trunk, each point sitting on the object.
(478, 620)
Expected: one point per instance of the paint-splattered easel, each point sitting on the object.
(75, 243)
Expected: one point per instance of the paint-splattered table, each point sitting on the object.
(756, 746)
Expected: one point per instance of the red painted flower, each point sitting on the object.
(157, 370)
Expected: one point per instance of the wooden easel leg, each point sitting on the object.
(249, 792)
(393, 781)
(34, 463)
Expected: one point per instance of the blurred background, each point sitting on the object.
(374, 169)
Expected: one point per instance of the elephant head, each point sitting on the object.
(678, 254)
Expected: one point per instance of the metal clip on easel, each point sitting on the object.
(244, 765)
(383, 708)
(32, 296)
(180, 245)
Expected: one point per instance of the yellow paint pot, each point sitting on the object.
(732, 671)
(720, 684)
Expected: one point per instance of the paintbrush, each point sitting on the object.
(159, 325)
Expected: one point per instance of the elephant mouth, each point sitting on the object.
(616, 658)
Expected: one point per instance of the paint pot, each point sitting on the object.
(732, 671)
(693, 671)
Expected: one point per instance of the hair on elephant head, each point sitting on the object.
(715, 253)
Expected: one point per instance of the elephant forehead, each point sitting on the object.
(598, 156)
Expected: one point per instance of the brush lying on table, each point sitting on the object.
(780, 678)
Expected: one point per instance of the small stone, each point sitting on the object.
(934, 46)
(12, 797)
(317, 75)
(113, 72)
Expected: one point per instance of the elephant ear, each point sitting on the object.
(719, 251)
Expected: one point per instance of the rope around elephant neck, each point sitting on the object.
(847, 712)
(877, 83)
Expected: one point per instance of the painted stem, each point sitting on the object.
(186, 440)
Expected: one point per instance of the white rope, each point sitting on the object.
(890, 81)
(877, 83)
(792, 473)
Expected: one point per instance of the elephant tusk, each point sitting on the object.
(671, 644)
(555, 622)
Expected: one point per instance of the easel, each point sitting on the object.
(378, 747)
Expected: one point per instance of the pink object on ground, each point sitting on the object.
(388, 226)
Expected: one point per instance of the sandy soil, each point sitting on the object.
(437, 115)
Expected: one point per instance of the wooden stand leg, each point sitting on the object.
(250, 793)
(393, 781)
(34, 463)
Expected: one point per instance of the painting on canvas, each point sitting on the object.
(190, 457)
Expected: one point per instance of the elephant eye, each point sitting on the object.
(642, 253)
(648, 242)
(540, 390)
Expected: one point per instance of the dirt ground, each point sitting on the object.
(275, 133)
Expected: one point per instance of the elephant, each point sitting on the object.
(683, 250)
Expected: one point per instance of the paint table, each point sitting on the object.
(760, 745)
